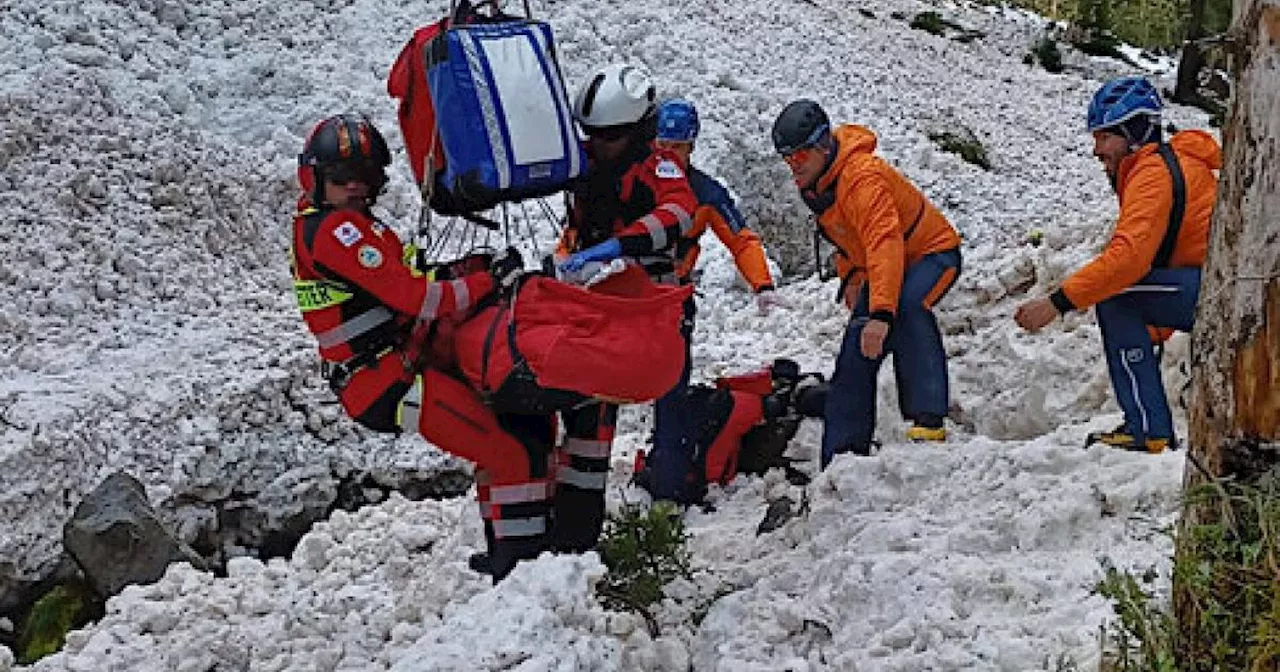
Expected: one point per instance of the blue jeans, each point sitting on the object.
(672, 459)
(919, 362)
(1165, 297)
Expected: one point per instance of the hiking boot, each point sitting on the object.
(1120, 438)
(927, 427)
(920, 434)
(480, 563)
(862, 451)
(810, 397)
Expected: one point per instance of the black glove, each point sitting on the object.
(506, 268)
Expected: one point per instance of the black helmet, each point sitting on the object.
(802, 123)
(347, 141)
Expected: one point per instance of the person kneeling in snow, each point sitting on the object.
(371, 313)
(898, 255)
(1149, 273)
(742, 424)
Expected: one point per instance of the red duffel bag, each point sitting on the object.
(554, 345)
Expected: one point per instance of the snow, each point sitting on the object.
(147, 150)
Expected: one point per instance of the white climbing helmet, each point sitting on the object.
(615, 95)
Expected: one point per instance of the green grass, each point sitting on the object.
(1228, 570)
(1150, 24)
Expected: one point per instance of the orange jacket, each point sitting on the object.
(1145, 189)
(717, 211)
(880, 222)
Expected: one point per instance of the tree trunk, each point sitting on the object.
(1187, 88)
(1235, 405)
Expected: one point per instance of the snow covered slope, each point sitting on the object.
(147, 152)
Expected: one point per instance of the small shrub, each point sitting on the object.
(967, 146)
(929, 22)
(644, 549)
(44, 629)
(1142, 637)
(1046, 52)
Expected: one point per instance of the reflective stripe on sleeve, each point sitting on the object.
(360, 324)
(431, 302)
(656, 230)
(682, 216)
(461, 294)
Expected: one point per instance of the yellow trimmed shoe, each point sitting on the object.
(1121, 439)
(918, 434)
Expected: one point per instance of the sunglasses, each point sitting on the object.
(798, 157)
(346, 173)
(608, 133)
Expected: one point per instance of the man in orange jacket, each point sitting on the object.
(1149, 272)
(897, 256)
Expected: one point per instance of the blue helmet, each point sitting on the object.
(677, 121)
(1120, 100)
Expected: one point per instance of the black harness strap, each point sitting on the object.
(1165, 253)
(488, 346)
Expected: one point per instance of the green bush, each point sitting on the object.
(59, 611)
(1229, 569)
(968, 147)
(1145, 23)
(1047, 54)
(929, 22)
(644, 550)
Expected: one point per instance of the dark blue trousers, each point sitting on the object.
(1165, 297)
(672, 459)
(919, 362)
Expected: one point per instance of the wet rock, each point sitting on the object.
(779, 512)
(117, 539)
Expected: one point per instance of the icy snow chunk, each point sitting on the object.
(312, 552)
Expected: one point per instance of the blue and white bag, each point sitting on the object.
(505, 123)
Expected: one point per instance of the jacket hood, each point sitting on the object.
(852, 140)
(1198, 145)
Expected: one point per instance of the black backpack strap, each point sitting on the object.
(915, 222)
(488, 346)
(1165, 253)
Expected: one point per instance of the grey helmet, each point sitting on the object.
(802, 123)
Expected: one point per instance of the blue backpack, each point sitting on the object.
(504, 120)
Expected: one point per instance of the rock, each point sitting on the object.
(117, 539)
(771, 204)
(779, 512)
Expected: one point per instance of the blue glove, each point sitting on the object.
(607, 251)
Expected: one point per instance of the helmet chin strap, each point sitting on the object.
(1152, 131)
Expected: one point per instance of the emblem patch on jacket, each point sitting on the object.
(369, 256)
(668, 170)
(347, 234)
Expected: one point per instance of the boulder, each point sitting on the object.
(117, 539)
(771, 204)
